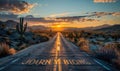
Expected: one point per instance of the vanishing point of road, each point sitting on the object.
(58, 54)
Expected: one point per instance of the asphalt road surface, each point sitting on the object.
(58, 54)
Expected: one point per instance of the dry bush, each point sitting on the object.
(4, 49)
(109, 52)
(12, 51)
(84, 44)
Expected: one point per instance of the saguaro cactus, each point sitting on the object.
(21, 28)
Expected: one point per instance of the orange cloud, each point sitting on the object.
(15, 6)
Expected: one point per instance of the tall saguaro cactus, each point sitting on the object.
(21, 28)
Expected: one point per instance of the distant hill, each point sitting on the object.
(9, 23)
(110, 28)
(101, 26)
(38, 27)
(86, 28)
(12, 24)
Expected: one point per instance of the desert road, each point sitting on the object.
(58, 54)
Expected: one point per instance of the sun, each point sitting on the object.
(58, 26)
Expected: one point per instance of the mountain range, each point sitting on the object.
(110, 28)
(9, 23)
(105, 27)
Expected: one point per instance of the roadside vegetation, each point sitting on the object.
(99, 44)
(15, 39)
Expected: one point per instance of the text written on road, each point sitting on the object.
(55, 61)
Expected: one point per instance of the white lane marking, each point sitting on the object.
(73, 45)
(2, 68)
(15, 60)
(102, 65)
(86, 54)
(9, 63)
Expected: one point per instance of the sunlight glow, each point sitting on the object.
(57, 27)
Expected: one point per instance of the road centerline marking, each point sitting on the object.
(102, 65)
(9, 64)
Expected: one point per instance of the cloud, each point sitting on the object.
(116, 13)
(60, 14)
(9, 16)
(101, 14)
(53, 19)
(72, 19)
(15, 6)
(29, 16)
(60, 20)
(87, 19)
(104, 1)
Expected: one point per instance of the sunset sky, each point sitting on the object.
(62, 13)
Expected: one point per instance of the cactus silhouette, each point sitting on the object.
(21, 28)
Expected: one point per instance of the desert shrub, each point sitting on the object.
(12, 51)
(83, 44)
(115, 36)
(70, 35)
(9, 32)
(4, 49)
(109, 52)
(116, 62)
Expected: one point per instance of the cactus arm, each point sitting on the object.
(25, 27)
